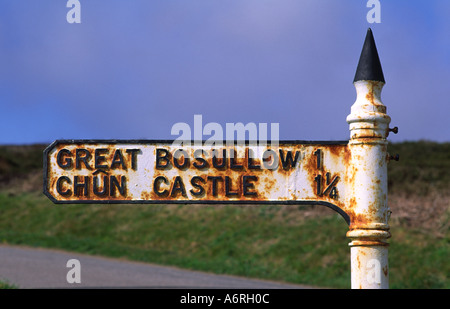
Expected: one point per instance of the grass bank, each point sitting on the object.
(277, 243)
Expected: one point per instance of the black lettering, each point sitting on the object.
(134, 153)
(318, 180)
(195, 183)
(328, 177)
(58, 186)
(162, 158)
(334, 193)
(118, 159)
(250, 157)
(246, 185)
(228, 189)
(233, 163)
(318, 154)
(214, 180)
(114, 183)
(99, 157)
(203, 163)
(84, 159)
(269, 153)
(178, 186)
(177, 155)
(84, 186)
(285, 162)
(156, 183)
(64, 159)
(215, 156)
(96, 186)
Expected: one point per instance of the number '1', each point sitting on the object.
(318, 154)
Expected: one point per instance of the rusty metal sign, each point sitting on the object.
(152, 171)
(348, 176)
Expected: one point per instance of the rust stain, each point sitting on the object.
(335, 150)
(145, 196)
(385, 271)
(269, 184)
(357, 220)
(370, 96)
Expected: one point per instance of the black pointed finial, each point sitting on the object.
(369, 66)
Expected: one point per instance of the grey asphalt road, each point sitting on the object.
(44, 268)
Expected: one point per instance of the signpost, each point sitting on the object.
(348, 176)
(293, 172)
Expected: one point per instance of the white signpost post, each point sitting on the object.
(348, 176)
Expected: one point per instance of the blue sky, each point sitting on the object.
(132, 69)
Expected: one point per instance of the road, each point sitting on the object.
(32, 268)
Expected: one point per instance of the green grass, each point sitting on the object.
(266, 242)
(19, 160)
(423, 167)
(5, 285)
